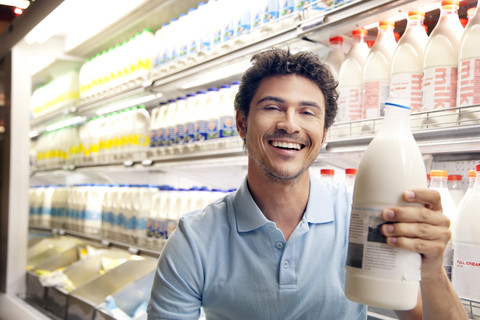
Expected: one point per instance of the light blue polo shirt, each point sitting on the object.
(233, 262)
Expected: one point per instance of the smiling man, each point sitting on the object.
(276, 248)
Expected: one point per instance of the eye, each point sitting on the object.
(271, 107)
(308, 112)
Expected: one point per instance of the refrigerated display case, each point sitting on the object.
(219, 163)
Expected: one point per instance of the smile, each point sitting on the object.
(287, 145)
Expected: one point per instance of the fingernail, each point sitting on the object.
(388, 228)
(392, 239)
(410, 195)
(389, 214)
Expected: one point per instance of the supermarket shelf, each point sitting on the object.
(345, 140)
(291, 32)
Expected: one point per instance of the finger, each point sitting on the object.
(415, 215)
(428, 197)
(420, 231)
(426, 247)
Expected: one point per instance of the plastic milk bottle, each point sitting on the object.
(335, 56)
(468, 85)
(466, 271)
(438, 181)
(377, 274)
(454, 185)
(350, 79)
(407, 62)
(441, 65)
(376, 73)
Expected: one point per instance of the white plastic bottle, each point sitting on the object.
(226, 112)
(466, 271)
(181, 121)
(350, 79)
(441, 66)
(190, 118)
(335, 56)
(327, 175)
(350, 174)
(468, 85)
(376, 72)
(455, 187)
(212, 110)
(407, 62)
(391, 164)
(201, 124)
(438, 181)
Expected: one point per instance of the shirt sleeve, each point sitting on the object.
(178, 281)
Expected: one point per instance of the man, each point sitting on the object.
(276, 248)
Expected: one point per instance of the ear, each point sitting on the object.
(241, 123)
(325, 132)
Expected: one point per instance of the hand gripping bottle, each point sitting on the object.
(350, 78)
(440, 67)
(376, 72)
(468, 85)
(466, 266)
(407, 62)
(377, 274)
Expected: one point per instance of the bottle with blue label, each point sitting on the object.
(271, 11)
(190, 117)
(180, 122)
(201, 125)
(212, 111)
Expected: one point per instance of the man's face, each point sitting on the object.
(285, 127)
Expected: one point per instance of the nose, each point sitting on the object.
(288, 122)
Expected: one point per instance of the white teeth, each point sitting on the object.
(288, 145)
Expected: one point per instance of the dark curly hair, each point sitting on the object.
(280, 62)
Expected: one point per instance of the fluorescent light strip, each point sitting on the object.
(127, 103)
(66, 123)
(22, 4)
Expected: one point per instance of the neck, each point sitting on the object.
(283, 202)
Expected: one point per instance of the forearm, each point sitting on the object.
(439, 299)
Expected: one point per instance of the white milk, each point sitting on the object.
(455, 188)
(468, 85)
(407, 62)
(350, 79)
(201, 125)
(438, 181)
(212, 111)
(440, 66)
(190, 118)
(154, 126)
(170, 122)
(145, 203)
(181, 121)
(327, 175)
(376, 72)
(466, 271)
(391, 164)
(350, 174)
(226, 112)
(93, 217)
(335, 56)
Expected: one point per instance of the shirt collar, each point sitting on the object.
(250, 217)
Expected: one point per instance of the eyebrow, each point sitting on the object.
(278, 99)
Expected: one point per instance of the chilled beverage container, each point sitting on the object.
(455, 187)
(327, 175)
(391, 164)
(466, 271)
(350, 174)
(439, 182)
(468, 89)
(376, 72)
(350, 79)
(335, 56)
(407, 62)
(440, 67)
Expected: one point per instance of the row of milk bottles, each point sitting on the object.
(107, 137)
(199, 116)
(420, 69)
(223, 23)
(116, 211)
(54, 96)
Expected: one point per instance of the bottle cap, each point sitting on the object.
(464, 22)
(454, 177)
(416, 13)
(350, 171)
(438, 173)
(386, 23)
(450, 4)
(477, 167)
(329, 172)
(336, 40)
(359, 33)
(472, 173)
